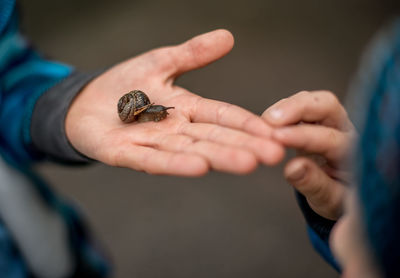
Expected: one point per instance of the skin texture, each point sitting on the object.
(200, 135)
(317, 125)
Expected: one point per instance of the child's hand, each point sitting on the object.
(315, 123)
(199, 134)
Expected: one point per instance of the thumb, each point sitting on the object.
(200, 51)
(324, 194)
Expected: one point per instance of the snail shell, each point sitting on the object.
(136, 106)
(132, 104)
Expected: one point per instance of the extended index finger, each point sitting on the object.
(329, 142)
(228, 115)
(319, 106)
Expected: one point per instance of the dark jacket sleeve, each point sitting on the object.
(48, 119)
(319, 229)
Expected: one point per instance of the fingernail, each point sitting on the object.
(275, 113)
(297, 173)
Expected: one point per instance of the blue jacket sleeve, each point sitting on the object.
(24, 77)
(35, 94)
(318, 229)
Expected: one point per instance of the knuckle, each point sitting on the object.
(283, 100)
(277, 104)
(192, 111)
(316, 184)
(302, 96)
(328, 201)
(195, 49)
(333, 138)
(221, 112)
(303, 93)
(246, 122)
(162, 51)
(331, 98)
(339, 145)
(332, 152)
(326, 92)
(317, 191)
(165, 58)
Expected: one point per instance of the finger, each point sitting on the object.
(154, 161)
(329, 142)
(220, 157)
(324, 194)
(343, 176)
(224, 158)
(265, 150)
(228, 115)
(319, 106)
(197, 52)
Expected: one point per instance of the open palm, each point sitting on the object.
(199, 134)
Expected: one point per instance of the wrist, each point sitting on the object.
(48, 125)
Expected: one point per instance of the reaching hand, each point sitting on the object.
(315, 123)
(199, 134)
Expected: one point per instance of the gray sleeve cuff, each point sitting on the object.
(48, 119)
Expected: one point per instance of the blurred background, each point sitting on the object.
(219, 225)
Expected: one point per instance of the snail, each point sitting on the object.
(136, 106)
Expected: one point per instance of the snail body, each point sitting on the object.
(154, 113)
(136, 106)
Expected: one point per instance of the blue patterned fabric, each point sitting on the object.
(24, 77)
(11, 262)
(378, 157)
